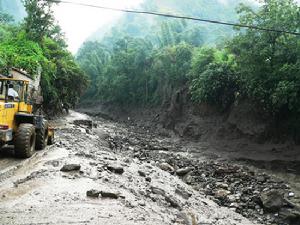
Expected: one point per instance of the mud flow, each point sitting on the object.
(103, 172)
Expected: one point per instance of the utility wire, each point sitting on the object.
(177, 17)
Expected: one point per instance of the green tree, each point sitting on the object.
(214, 79)
(92, 58)
(269, 61)
(40, 21)
(5, 18)
(170, 69)
(21, 53)
(63, 81)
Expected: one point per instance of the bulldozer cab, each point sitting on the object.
(16, 91)
(18, 86)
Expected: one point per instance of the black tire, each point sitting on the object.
(42, 136)
(51, 140)
(24, 140)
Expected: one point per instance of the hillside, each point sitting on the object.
(145, 26)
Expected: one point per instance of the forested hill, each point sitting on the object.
(152, 33)
(145, 60)
(145, 26)
(14, 8)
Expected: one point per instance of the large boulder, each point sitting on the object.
(272, 201)
(70, 167)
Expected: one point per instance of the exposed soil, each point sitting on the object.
(83, 179)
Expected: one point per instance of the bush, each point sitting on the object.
(217, 85)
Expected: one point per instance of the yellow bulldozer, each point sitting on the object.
(19, 126)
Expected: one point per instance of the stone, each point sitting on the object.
(148, 179)
(158, 191)
(166, 167)
(116, 169)
(130, 204)
(93, 193)
(291, 216)
(184, 171)
(188, 178)
(70, 167)
(142, 173)
(234, 205)
(173, 201)
(231, 198)
(272, 200)
(88, 123)
(142, 203)
(222, 185)
(222, 194)
(261, 179)
(108, 194)
(183, 193)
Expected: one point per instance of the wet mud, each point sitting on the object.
(36, 191)
(120, 174)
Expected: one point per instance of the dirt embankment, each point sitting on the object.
(243, 132)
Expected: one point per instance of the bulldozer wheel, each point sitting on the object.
(24, 140)
(51, 140)
(42, 136)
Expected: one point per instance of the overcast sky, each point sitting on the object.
(79, 22)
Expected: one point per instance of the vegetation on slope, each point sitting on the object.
(38, 43)
(146, 69)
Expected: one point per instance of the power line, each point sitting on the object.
(177, 17)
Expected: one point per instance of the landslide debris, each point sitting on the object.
(253, 194)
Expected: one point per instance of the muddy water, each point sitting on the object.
(35, 191)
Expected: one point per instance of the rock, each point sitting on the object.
(189, 218)
(93, 193)
(183, 193)
(88, 131)
(291, 194)
(222, 185)
(116, 169)
(261, 179)
(222, 194)
(142, 203)
(234, 205)
(272, 201)
(166, 167)
(107, 194)
(173, 201)
(188, 178)
(290, 215)
(158, 191)
(70, 167)
(53, 163)
(184, 171)
(148, 179)
(88, 123)
(142, 173)
(130, 204)
(231, 198)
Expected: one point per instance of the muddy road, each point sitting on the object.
(112, 173)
